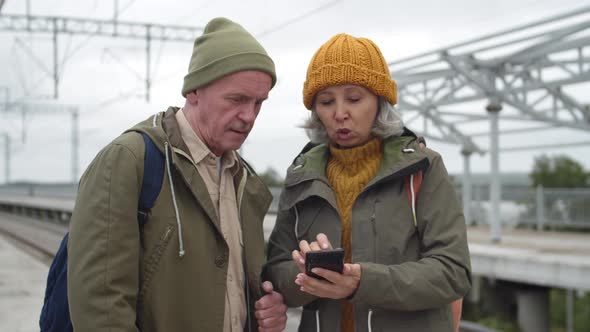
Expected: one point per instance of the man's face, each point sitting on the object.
(226, 109)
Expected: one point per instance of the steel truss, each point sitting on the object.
(527, 68)
(58, 25)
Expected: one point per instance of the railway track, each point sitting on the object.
(40, 238)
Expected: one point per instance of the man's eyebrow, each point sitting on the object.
(241, 95)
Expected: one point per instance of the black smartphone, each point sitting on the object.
(327, 259)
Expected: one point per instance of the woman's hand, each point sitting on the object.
(321, 243)
(338, 286)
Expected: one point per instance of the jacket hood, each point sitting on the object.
(161, 128)
(156, 128)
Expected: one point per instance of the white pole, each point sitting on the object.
(466, 190)
(540, 208)
(493, 109)
(569, 310)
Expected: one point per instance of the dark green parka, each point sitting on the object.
(410, 274)
(123, 278)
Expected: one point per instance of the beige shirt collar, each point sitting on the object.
(199, 150)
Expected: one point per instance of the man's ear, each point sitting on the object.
(192, 97)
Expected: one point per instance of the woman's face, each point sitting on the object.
(347, 112)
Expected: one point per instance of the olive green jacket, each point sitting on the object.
(410, 274)
(123, 278)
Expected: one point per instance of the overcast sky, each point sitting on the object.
(104, 76)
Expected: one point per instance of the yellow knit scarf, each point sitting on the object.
(349, 171)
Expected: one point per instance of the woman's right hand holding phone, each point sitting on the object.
(336, 285)
(321, 243)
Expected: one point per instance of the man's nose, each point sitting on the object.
(248, 113)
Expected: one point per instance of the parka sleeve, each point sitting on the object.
(280, 268)
(442, 275)
(103, 250)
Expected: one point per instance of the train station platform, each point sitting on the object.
(22, 285)
(549, 259)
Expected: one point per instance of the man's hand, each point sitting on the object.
(271, 311)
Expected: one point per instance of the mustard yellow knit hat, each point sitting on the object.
(345, 59)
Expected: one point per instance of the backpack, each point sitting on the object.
(55, 315)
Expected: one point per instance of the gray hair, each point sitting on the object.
(388, 122)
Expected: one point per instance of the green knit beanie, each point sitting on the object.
(224, 48)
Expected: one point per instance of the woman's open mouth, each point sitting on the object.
(343, 133)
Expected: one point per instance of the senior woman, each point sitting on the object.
(406, 257)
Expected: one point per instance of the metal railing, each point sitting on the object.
(538, 208)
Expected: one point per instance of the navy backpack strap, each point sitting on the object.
(55, 315)
(153, 174)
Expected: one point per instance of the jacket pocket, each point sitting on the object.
(395, 235)
(152, 262)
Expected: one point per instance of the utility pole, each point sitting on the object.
(112, 28)
(75, 143)
(29, 109)
(6, 158)
(6, 96)
(115, 17)
(28, 10)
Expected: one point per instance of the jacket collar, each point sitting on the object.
(172, 129)
(306, 177)
(401, 156)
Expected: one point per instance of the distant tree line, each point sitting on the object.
(559, 172)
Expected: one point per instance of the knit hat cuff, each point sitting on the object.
(222, 67)
(348, 73)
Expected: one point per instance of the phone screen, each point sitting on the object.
(327, 259)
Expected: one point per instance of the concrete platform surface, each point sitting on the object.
(551, 259)
(22, 287)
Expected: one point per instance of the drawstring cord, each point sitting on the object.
(296, 222)
(317, 320)
(413, 199)
(181, 251)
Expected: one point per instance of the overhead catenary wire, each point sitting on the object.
(298, 18)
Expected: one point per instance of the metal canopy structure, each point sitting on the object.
(532, 69)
